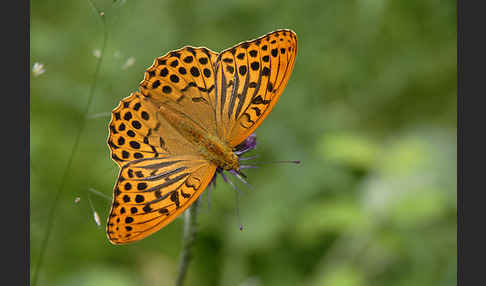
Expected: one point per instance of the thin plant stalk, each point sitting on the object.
(190, 230)
(52, 211)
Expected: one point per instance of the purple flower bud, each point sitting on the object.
(247, 145)
(250, 141)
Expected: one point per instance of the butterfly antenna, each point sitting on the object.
(248, 167)
(212, 186)
(242, 174)
(256, 164)
(227, 180)
(241, 177)
(238, 211)
(249, 158)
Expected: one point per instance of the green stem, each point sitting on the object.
(190, 229)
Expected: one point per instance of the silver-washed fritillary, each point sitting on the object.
(192, 111)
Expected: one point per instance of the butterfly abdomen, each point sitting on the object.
(209, 146)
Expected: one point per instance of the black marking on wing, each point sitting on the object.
(112, 145)
(190, 185)
(286, 70)
(184, 195)
(249, 119)
(158, 165)
(162, 175)
(175, 198)
(167, 183)
(199, 99)
(162, 197)
(193, 84)
(243, 94)
(216, 92)
(189, 85)
(257, 88)
(257, 111)
(234, 91)
(223, 91)
(113, 130)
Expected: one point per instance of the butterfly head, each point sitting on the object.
(232, 160)
(231, 163)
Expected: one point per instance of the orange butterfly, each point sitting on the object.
(194, 110)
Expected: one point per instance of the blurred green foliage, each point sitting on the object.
(370, 110)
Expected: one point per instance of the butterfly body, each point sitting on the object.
(187, 122)
(208, 145)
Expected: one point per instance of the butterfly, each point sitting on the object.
(190, 119)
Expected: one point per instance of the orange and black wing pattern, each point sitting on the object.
(250, 77)
(226, 95)
(151, 192)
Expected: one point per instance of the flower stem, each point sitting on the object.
(190, 230)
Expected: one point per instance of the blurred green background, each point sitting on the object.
(370, 110)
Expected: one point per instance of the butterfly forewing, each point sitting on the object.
(152, 192)
(132, 134)
(138, 130)
(250, 78)
(185, 76)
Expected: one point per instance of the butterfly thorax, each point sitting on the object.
(218, 152)
(211, 147)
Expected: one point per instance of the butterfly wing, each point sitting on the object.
(250, 77)
(137, 130)
(228, 94)
(152, 192)
(186, 77)
(161, 172)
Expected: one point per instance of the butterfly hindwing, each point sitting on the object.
(250, 78)
(151, 192)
